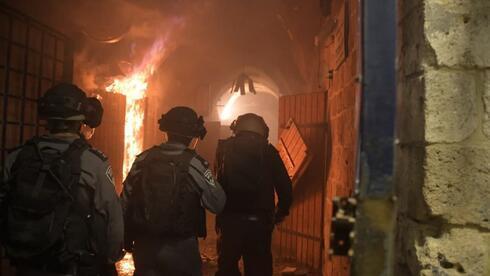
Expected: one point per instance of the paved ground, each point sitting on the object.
(208, 253)
(125, 267)
(210, 268)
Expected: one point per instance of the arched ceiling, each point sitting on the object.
(214, 40)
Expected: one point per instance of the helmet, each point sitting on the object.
(250, 122)
(68, 102)
(183, 121)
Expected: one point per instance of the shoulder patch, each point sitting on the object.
(99, 154)
(208, 174)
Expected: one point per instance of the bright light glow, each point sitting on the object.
(228, 109)
(125, 267)
(134, 87)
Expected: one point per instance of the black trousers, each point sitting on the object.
(167, 257)
(245, 236)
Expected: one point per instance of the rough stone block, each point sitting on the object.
(405, 7)
(409, 177)
(457, 184)
(412, 50)
(410, 236)
(410, 110)
(451, 106)
(459, 31)
(486, 102)
(456, 252)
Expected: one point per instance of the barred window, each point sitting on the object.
(33, 57)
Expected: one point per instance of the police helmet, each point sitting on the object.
(69, 103)
(250, 122)
(183, 121)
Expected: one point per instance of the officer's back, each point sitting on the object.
(247, 174)
(251, 172)
(164, 197)
(62, 214)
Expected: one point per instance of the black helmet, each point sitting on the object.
(68, 102)
(250, 122)
(183, 121)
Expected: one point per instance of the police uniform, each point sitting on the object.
(164, 255)
(96, 173)
(251, 172)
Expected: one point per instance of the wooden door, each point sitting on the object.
(300, 238)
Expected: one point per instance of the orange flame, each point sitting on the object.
(134, 87)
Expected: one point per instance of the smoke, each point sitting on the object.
(146, 32)
(209, 41)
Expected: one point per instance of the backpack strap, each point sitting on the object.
(185, 164)
(34, 142)
(76, 148)
(152, 154)
(71, 155)
(185, 158)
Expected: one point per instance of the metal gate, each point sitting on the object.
(33, 57)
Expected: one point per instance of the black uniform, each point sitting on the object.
(164, 227)
(251, 172)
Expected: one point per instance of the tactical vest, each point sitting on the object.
(165, 202)
(243, 172)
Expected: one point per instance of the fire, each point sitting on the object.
(134, 87)
(125, 267)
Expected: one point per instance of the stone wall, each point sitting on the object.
(443, 147)
(341, 80)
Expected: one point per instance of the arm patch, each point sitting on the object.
(109, 174)
(99, 154)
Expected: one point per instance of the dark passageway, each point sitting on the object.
(378, 111)
(143, 57)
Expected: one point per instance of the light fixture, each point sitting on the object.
(239, 84)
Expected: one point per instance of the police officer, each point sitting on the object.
(251, 172)
(60, 211)
(163, 199)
